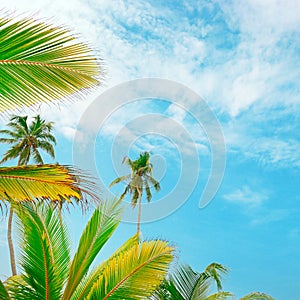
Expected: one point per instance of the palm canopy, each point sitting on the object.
(40, 62)
(140, 179)
(133, 272)
(26, 139)
(186, 284)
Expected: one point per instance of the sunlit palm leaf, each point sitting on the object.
(40, 63)
(45, 253)
(134, 274)
(87, 283)
(101, 226)
(49, 182)
(220, 296)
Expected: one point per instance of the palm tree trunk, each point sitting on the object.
(139, 214)
(10, 242)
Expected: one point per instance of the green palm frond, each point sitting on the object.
(45, 253)
(134, 274)
(87, 283)
(153, 182)
(257, 296)
(3, 292)
(99, 229)
(214, 271)
(119, 179)
(49, 182)
(184, 283)
(41, 63)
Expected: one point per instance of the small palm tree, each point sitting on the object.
(25, 140)
(139, 180)
(134, 271)
(186, 284)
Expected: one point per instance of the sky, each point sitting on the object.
(225, 109)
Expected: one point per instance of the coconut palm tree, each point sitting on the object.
(139, 180)
(186, 284)
(132, 272)
(25, 140)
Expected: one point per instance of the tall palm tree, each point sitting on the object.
(139, 180)
(40, 62)
(134, 271)
(26, 139)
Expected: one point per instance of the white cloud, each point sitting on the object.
(246, 196)
(275, 215)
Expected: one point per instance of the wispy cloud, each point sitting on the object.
(247, 197)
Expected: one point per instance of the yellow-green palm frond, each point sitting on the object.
(135, 273)
(86, 284)
(220, 296)
(40, 62)
(99, 229)
(49, 182)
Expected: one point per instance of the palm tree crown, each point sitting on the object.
(26, 139)
(139, 180)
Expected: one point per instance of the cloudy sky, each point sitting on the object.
(243, 60)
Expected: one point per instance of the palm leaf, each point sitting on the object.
(119, 179)
(45, 250)
(48, 182)
(220, 296)
(135, 273)
(3, 292)
(87, 283)
(99, 229)
(40, 63)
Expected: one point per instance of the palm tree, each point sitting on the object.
(132, 272)
(25, 140)
(41, 63)
(140, 179)
(186, 284)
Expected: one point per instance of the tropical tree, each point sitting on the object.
(26, 139)
(40, 62)
(186, 284)
(139, 180)
(132, 272)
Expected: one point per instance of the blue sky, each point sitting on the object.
(243, 59)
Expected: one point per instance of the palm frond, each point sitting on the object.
(41, 63)
(214, 271)
(87, 283)
(48, 182)
(220, 296)
(119, 179)
(3, 292)
(154, 182)
(137, 271)
(99, 229)
(45, 252)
